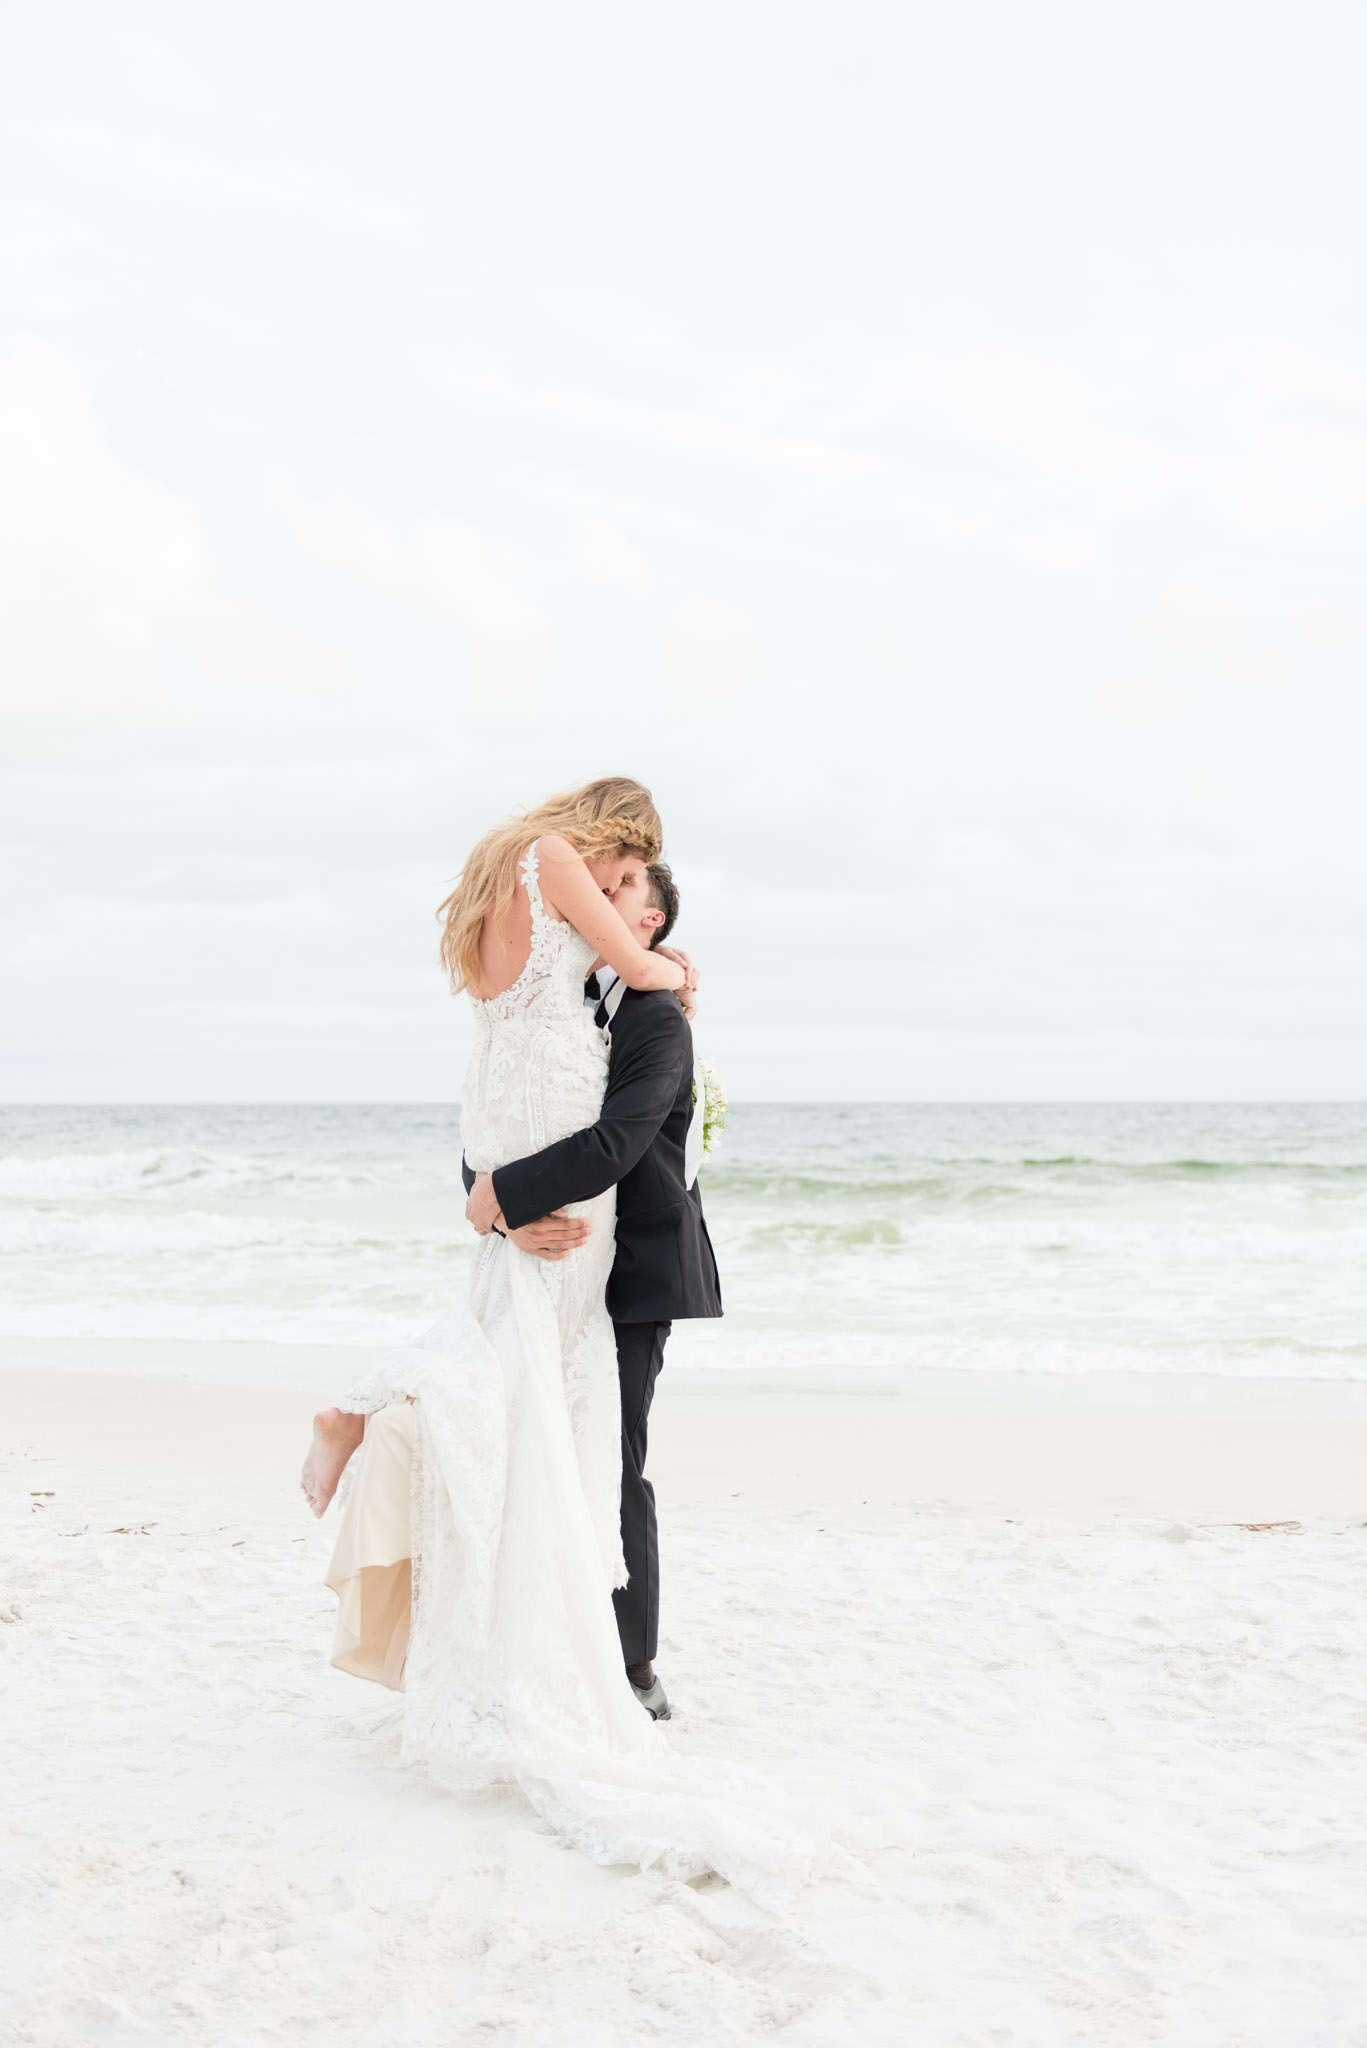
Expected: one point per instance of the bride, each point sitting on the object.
(501, 1425)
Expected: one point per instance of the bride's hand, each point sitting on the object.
(681, 959)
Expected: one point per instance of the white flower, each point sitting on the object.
(714, 1107)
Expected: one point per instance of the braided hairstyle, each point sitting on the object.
(613, 815)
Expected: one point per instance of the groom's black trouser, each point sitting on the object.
(640, 1354)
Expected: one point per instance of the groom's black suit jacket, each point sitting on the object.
(664, 1269)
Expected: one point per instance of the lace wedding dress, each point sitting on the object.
(513, 1441)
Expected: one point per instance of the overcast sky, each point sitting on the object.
(924, 442)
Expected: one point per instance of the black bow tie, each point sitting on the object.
(592, 989)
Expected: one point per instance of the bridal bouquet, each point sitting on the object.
(714, 1107)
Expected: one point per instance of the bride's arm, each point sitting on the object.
(567, 886)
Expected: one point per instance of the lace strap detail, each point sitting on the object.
(530, 871)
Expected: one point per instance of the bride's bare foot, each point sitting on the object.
(335, 1436)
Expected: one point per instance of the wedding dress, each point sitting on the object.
(513, 1667)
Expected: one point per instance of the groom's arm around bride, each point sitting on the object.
(663, 1270)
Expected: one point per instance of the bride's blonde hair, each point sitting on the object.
(611, 816)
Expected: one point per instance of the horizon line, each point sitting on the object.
(743, 1102)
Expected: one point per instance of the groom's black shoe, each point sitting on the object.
(651, 1694)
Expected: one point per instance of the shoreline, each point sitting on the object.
(274, 1365)
(828, 1455)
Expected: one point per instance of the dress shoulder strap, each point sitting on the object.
(529, 869)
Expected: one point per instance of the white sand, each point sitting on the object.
(1123, 1753)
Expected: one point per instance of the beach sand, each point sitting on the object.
(1112, 1741)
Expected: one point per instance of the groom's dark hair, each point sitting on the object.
(663, 896)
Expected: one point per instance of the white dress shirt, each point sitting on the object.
(606, 977)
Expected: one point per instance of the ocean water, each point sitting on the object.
(856, 1242)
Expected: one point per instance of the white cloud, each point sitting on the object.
(928, 446)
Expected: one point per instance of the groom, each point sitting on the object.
(664, 1269)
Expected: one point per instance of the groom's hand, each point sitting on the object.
(551, 1237)
(482, 1208)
